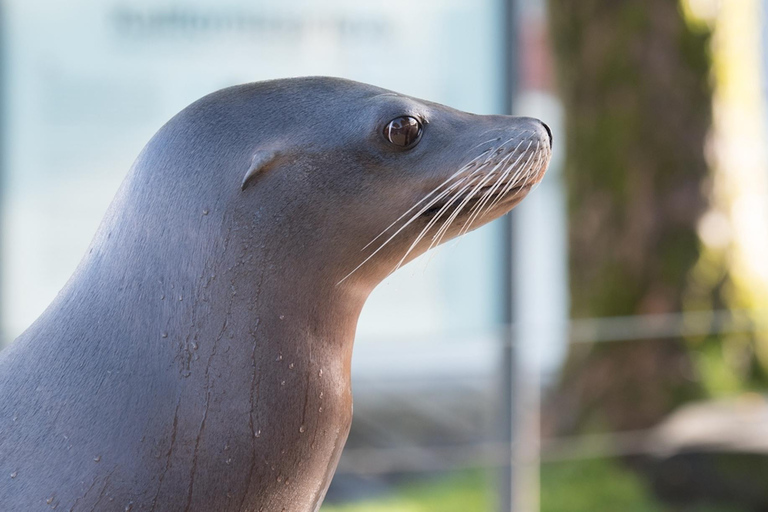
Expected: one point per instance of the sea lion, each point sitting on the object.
(199, 357)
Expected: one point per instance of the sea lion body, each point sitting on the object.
(198, 359)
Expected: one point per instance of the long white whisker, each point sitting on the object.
(400, 229)
(528, 167)
(475, 211)
(489, 175)
(464, 168)
(519, 180)
(426, 207)
(478, 210)
(478, 145)
(437, 237)
(431, 223)
(460, 189)
(521, 172)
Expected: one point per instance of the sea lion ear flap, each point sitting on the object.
(261, 160)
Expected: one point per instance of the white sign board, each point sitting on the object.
(88, 83)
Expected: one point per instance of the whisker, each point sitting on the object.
(522, 175)
(416, 216)
(526, 176)
(460, 189)
(441, 232)
(478, 145)
(437, 237)
(426, 207)
(431, 223)
(463, 169)
(476, 210)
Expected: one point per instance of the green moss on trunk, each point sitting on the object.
(635, 80)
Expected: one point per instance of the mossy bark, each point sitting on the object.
(635, 80)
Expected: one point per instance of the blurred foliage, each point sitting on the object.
(710, 476)
(598, 485)
(635, 78)
(471, 491)
(733, 263)
(603, 485)
(593, 486)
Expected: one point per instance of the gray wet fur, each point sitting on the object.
(198, 359)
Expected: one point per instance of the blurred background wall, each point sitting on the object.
(604, 348)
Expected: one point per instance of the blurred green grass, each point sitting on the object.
(598, 485)
(460, 492)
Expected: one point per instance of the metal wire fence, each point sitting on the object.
(439, 437)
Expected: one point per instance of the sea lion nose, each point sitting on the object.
(549, 132)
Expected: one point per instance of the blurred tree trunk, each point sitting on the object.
(635, 80)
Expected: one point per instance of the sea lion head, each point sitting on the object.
(359, 180)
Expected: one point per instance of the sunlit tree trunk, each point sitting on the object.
(635, 80)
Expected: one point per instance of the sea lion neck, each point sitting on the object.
(232, 269)
(222, 358)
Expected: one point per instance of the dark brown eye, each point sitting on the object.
(404, 131)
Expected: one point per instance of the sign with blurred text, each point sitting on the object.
(88, 82)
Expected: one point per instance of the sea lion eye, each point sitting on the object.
(403, 131)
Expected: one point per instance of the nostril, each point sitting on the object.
(549, 132)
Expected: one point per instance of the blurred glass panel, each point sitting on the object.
(89, 82)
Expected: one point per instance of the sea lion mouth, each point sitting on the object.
(473, 200)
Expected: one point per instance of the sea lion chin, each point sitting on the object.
(198, 359)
